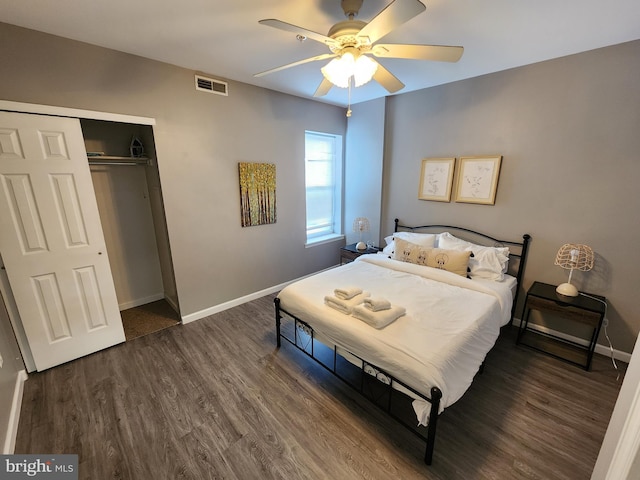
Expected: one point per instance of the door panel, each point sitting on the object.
(94, 314)
(51, 240)
(68, 210)
(49, 300)
(23, 211)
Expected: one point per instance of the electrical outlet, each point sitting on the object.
(605, 322)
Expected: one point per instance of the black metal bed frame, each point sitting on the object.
(370, 380)
(522, 256)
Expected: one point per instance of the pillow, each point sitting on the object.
(423, 239)
(487, 262)
(388, 248)
(453, 261)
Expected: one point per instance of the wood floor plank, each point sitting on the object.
(215, 399)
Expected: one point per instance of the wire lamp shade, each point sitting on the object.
(573, 256)
(361, 224)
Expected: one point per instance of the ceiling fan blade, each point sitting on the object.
(323, 88)
(438, 53)
(295, 64)
(387, 79)
(287, 27)
(394, 15)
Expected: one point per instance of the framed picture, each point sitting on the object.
(478, 179)
(257, 193)
(436, 178)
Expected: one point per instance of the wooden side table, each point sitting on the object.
(349, 253)
(587, 310)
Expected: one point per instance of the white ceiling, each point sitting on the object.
(223, 38)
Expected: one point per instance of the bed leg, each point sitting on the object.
(276, 301)
(436, 395)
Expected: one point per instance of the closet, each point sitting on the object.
(129, 197)
(75, 183)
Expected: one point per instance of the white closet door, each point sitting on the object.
(51, 240)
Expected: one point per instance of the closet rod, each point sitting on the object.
(144, 164)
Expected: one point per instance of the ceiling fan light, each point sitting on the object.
(364, 69)
(339, 70)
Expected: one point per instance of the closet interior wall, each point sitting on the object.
(131, 213)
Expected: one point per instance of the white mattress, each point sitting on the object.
(451, 322)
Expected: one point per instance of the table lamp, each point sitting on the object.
(573, 256)
(361, 224)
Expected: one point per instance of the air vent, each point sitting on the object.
(210, 85)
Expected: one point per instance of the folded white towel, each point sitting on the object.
(376, 304)
(345, 306)
(346, 293)
(378, 319)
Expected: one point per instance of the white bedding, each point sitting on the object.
(451, 322)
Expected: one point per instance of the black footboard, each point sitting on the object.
(370, 380)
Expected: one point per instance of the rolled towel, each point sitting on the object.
(380, 376)
(378, 319)
(376, 304)
(345, 306)
(347, 293)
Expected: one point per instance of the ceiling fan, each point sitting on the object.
(352, 43)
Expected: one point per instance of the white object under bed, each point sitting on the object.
(450, 325)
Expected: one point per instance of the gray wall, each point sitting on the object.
(569, 131)
(363, 168)
(200, 138)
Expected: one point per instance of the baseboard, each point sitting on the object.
(14, 417)
(173, 304)
(141, 301)
(601, 349)
(239, 301)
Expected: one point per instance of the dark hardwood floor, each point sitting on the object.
(216, 399)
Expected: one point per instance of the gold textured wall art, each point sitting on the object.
(257, 193)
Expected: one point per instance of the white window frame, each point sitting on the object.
(333, 231)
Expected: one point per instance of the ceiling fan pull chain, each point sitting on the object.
(349, 105)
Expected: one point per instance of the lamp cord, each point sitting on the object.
(606, 334)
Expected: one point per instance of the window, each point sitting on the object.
(323, 185)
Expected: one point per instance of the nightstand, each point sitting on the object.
(349, 253)
(582, 310)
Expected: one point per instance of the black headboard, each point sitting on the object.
(517, 250)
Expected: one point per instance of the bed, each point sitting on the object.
(424, 360)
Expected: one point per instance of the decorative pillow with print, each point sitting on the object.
(410, 252)
(422, 239)
(450, 260)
